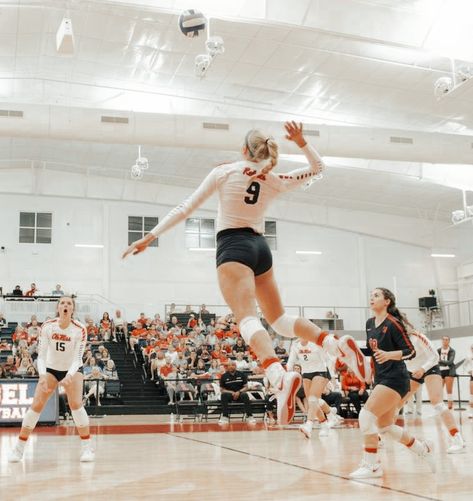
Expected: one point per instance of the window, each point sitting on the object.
(200, 233)
(139, 226)
(35, 227)
(270, 234)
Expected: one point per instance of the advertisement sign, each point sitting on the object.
(16, 396)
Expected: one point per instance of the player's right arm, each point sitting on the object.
(179, 213)
(43, 343)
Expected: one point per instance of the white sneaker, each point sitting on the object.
(457, 445)
(350, 353)
(428, 454)
(334, 420)
(251, 420)
(367, 470)
(87, 455)
(223, 420)
(286, 396)
(306, 429)
(324, 429)
(16, 454)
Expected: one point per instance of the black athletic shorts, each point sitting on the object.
(245, 246)
(402, 385)
(433, 370)
(60, 375)
(445, 373)
(311, 375)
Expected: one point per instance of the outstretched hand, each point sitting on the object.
(294, 133)
(139, 246)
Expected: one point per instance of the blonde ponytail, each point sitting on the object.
(261, 147)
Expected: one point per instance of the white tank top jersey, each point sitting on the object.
(244, 195)
(426, 355)
(310, 357)
(61, 349)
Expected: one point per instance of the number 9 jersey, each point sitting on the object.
(244, 193)
(61, 349)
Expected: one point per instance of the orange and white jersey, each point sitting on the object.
(61, 349)
(244, 194)
(426, 355)
(310, 357)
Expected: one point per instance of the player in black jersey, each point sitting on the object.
(389, 345)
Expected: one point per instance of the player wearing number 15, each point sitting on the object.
(244, 262)
(60, 349)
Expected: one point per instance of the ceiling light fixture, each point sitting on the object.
(141, 164)
(316, 253)
(463, 215)
(89, 246)
(442, 255)
(202, 249)
(65, 37)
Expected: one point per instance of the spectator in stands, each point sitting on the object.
(172, 310)
(23, 366)
(174, 326)
(200, 371)
(17, 291)
(31, 372)
(57, 291)
(188, 309)
(32, 292)
(241, 363)
(239, 347)
(184, 386)
(110, 371)
(204, 354)
(32, 319)
(105, 355)
(136, 334)
(9, 367)
(170, 383)
(157, 322)
(143, 320)
(119, 326)
(92, 331)
(89, 366)
(156, 363)
(95, 375)
(234, 387)
(204, 310)
(192, 360)
(106, 327)
(199, 337)
(211, 326)
(19, 335)
(180, 360)
(215, 369)
(212, 339)
(220, 355)
(33, 331)
(280, 349)
(3, 321)
(192, 322)
(4, 345)
(354, 389)
(2, 372)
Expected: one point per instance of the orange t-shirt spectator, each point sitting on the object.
(32, 291)
(166, 369)
(143, 320)
(351, 383)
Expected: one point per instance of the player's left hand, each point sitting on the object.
(382, 356)
(418, 374)
(294, 133)
(139, 246)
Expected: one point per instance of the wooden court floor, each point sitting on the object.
(141, 457)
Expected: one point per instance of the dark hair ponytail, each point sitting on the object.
(393, 309)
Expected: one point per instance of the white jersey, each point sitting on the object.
(310, 357)
(426, 355)
(468, 365)
(61, 349)
(244, 195)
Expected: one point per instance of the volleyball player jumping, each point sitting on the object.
(244, 261)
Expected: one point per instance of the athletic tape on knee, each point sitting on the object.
(249, 326)
(284, 325)
(394, 431)
(368, 422)
(80, 417)
(439, 408)
(30, 419)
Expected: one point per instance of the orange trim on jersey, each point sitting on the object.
(402, 331)
(370, 450)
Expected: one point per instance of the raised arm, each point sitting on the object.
(43, 341)
(298, 177)
(178, 214)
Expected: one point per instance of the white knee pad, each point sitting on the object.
(30, 420)
(284, 325)
(313, 400)
(249, 326)
(368, 422)
(450, 397)
(394, 431)
(440, 408)
(81, 419)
